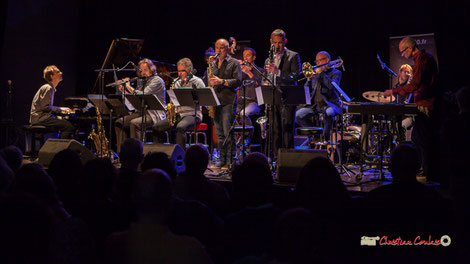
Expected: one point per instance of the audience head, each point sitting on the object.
(252, 181)
(296, 237)
(65, 169)
(99, 179)
(131, 153)
(31, 178)
(320, 186)
(6, 176)
(159, 160)
(13, 157)
(154, 194)
(463, 99)
(196, 160)
(257, 157)
(26, 229)
(404, 163)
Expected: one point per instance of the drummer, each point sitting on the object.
(251, 78)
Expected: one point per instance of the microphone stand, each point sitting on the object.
(271, 111)
(390, 73)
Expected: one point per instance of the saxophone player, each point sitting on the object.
(185, 119)
(227, 77)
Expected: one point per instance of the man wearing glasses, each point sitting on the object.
(324, 96)
(42, 108)
(424, 89)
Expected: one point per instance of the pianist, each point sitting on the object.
(43, 110)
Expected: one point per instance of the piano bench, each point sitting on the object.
(34, 133)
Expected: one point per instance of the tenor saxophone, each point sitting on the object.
(99, 137)
(170, 108)
(212, 109)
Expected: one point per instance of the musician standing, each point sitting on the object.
(150, 83)
(286, 69)
(324, 96)
(184, 114)
(42, 108)
(424, 89)
(227, 77)
(251, 78)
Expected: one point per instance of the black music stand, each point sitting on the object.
(291, 95)
(145, 102)
(194, 97)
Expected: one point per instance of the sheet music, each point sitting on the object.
(259, 95)
(173, 98)
(307, 95)
(215, 96)
(128, 104)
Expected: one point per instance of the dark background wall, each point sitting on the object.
(75, 36)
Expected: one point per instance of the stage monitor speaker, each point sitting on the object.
(291, 161)
(54, 146)
(174, 152)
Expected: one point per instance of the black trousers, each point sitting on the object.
(65, 127)
(283, 127)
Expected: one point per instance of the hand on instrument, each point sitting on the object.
(215, 81)
(271, 67)
(247, 70)
(388, 92)
(65, 110)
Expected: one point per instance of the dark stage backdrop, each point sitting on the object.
(75, 35)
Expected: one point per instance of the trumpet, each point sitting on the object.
(309, 71)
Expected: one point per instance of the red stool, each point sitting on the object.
(201, 130)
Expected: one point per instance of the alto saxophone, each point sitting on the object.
(99, 137)
(212, 109)
(170, 108)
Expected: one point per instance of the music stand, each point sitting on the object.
(194, 97)
(291, 95)
(145, 102)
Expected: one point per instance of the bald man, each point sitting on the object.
(324, 96)
(227, 77)
(424, 89)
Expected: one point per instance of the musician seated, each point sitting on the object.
(251, 78)
(324, 96)
(184, 120)
(404, 78)
(43, 112)
(150, 83)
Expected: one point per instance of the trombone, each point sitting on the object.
(309, 71)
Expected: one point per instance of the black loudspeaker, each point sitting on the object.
(54, 146)
(291, 161)
(174, 152)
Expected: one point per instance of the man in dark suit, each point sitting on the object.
(286, 69)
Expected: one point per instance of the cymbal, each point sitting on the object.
(379, 97)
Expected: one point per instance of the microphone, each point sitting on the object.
(137, 69)
(380, 61)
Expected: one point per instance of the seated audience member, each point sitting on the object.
(149, 240)
(13, 157)
(65, 169)
(6, 176)
(26, 229)
(131, 155)
(96, 207)
(193, 185)
(248, 232)
(73, 241)
(423, 207)
(205, 225)
(159, 160)
(296, 238)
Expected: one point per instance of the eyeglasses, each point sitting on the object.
(401, 52)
